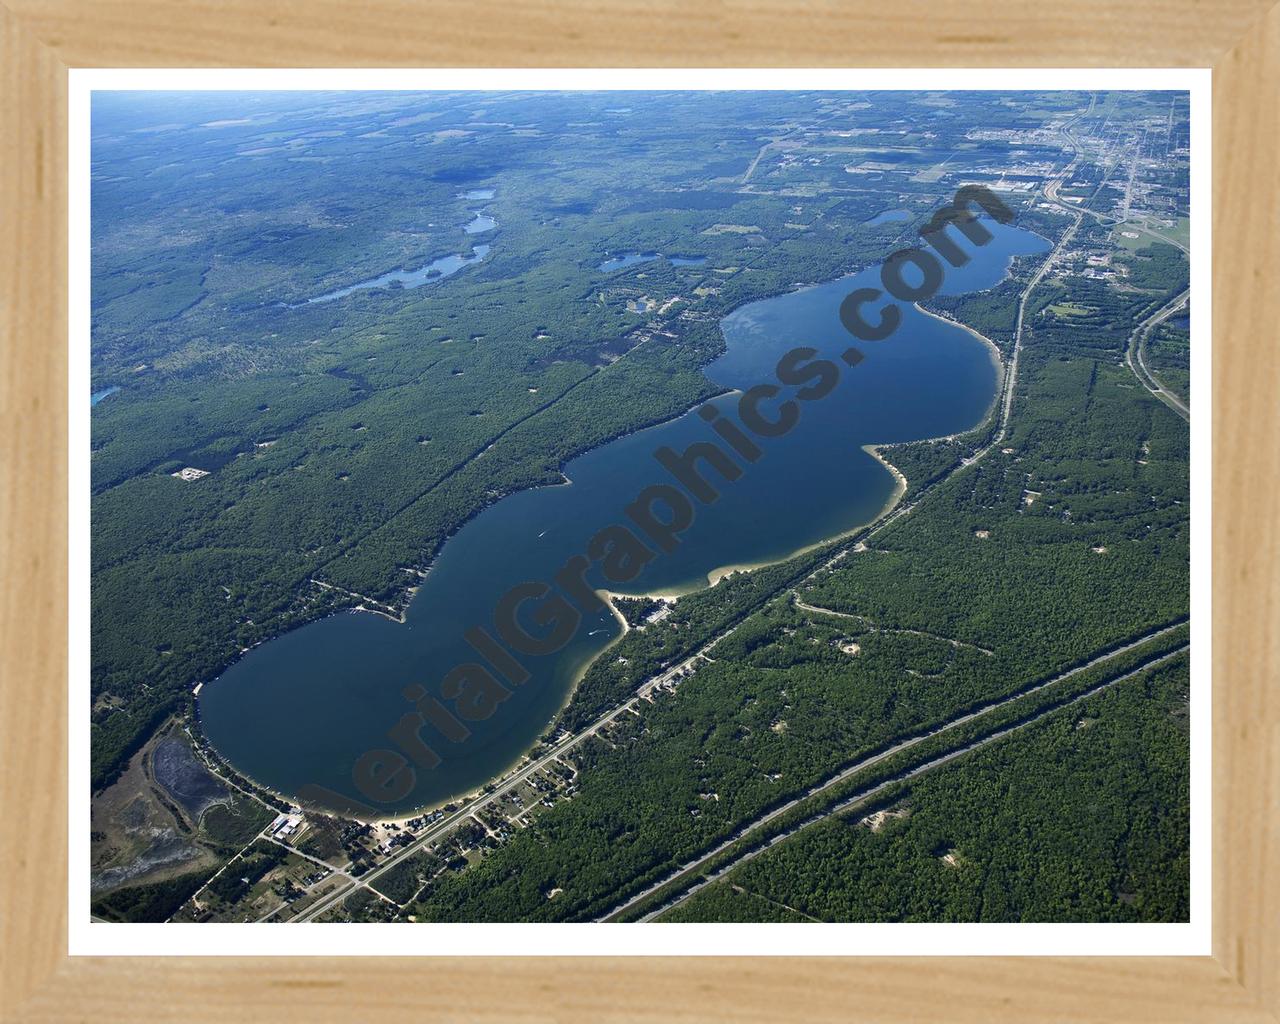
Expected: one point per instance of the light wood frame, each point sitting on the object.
(41, 39)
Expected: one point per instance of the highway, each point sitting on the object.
(867, 794)
(1051, 193)
(1011, 379)
(1137, 362)
(1134, 357)
(1008, 387)
(441, 828)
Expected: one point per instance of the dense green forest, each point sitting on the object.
(1097, 557)
(1168, 350)
(154, 901)
(345, 440)
(1081, 816)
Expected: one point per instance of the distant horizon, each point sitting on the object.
(346, 345)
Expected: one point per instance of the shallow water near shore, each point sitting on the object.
(302, 708)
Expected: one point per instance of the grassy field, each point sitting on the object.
(1146, 232)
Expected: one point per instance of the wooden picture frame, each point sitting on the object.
(42, 39)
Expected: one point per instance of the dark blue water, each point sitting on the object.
(301, 709)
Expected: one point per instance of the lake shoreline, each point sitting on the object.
(468, 795)
(396, 609)
(421, 570)
(714, 577)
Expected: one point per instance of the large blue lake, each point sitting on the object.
(301, 709)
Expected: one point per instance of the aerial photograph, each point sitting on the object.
(639, 506)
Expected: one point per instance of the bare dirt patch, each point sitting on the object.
(139, 833)
(878, 819)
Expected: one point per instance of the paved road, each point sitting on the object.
(1136, 360)
(1051, 194)
(867, 794)
(442, 827)
(906, 744)
(1050, 191)
(446, 824)
(1006, 403)
(1012, 377)
(1133, 357)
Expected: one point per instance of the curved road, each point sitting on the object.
(439, 829)
(1136, 360)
